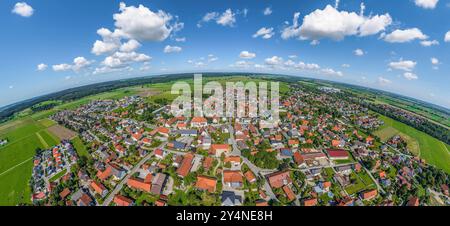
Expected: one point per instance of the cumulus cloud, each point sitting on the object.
(405, 65)
(401, 36)
(23, 9)
(276, 62)
(247, 55)
(426, 4)
(124, 59)
(434, 61)
(384, 81)
(428, 43)
(143, 24)
(79, 63)
(410, 76)
(334, 24)
(61, 67)
(273, 61)
(265, 33)
(345, 65)
(359, 52)
(227, 18)
(172, 49)
(130, 46)
(135, 24)
(447, 37)
(267, 11)
(42, 67)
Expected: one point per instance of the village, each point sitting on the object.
(320, 153)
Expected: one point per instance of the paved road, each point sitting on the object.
(118, 187)
(255, 169)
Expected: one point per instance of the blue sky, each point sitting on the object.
(398, 46)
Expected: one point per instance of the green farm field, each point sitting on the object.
(434, 151)
(25, 136)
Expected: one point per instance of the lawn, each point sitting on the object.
(80, 147)
(357, 186)
(434, 151)
(386, 132)
(14, 187)
(58, 175)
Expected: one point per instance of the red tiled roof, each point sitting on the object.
(232, 176)
(120, 200)
(98, 187)
(186, 165)
(289, 193)
(198, 120)
(310, 202)
(64, 193)
(250, 176)
(278, 179)
(369, 194)
(206, 183)
(105, 174)
(139, 184)
(333, 153)
(232, 159)
(298, 158)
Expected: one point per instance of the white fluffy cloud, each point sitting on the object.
(61, 67)
(359, 52)
(267, 11)
(172, 49)
(401, 36)
(334, 24)
(23, 9)
(405, 65)
(410, 76)
(434, 61)
(133, 24)
(247, 55)
(101, 47)
(265, 33)
(273, 61)
(426, 4)
(277, 62)
(130, 46)
(123, 59)
(143, 24)
(227, 18)
(428, 43)
(384, 81)
(42, 67)
(447, 37)
(78, 64)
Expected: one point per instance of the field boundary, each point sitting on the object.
(12, 168)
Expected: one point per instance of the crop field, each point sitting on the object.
(432, 150)
(25, 136)
(61, 132)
